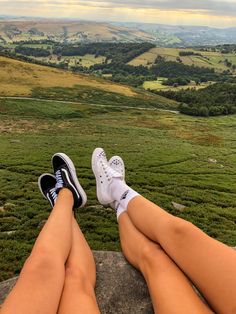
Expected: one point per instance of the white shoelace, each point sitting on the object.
(109, 172)
(59, 179)
(53, 194)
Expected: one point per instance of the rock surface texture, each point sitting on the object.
(120, 288)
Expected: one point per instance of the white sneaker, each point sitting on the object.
(117, 164)
(104, 175)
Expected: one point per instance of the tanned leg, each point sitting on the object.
(78, 293)
(39, 287)
(208, 263)
(170, 290)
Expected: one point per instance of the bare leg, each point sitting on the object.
(170, 290)
(40, 284)
(207, 262)
(78, 295)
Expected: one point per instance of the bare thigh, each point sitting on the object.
(78, 293)
(38, 289)
(170, 290)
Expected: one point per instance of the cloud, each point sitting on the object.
(215, 7)
(223, 6)
(220, 13)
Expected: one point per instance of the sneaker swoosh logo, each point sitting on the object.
(124, 195)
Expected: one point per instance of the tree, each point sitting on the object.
(203, 111)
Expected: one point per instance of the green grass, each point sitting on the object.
(85, 61)
(166, 156)
(86, 94)
(157, 85)
(207, 59)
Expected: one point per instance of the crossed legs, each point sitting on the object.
(45, 280)
(170, 290)
(165, 248)
(59, 276)
(78, 294)
(182, 249)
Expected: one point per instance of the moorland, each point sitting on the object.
(184, 163)
(169, 158)
(201, 79)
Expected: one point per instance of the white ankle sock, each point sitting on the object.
(119, 210)
(121, 192)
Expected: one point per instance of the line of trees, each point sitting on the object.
(120, 52)
(177, 73)
(189, 53)
(34, 52)
(217, 99)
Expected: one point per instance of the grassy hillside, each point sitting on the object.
(204, 59)
(25, 79)
(168, 157)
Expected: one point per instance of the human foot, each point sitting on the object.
(47, 183)
(117, 164)
(104, 175)
(66, 177)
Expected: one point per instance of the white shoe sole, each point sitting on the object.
(120, 169)
(71, 166)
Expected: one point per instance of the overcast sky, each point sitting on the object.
(219, 13)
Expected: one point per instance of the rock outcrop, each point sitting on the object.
(120, 288)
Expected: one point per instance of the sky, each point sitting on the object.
(216, 13)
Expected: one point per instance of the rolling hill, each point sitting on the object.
(185, 35)
(207, 59)
(29, 80)
(71, 31)
(68, 31)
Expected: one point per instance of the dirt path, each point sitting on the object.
(80, 103)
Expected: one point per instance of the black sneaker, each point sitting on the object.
(65, 173)
(47, 183)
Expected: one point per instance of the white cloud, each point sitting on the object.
(159, 11)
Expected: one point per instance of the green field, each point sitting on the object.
(157, 85)
(169, 157)
(85, 61)
(208, 59)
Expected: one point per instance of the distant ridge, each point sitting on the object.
(13, 28)
(16, 30)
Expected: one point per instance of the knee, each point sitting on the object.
(43, 265)
(79, 279)
(149, 255)
(181, 229)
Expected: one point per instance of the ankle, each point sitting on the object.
(116, 186)
(121, 192)
(65, 192)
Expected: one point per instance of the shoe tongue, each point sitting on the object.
(116, 174)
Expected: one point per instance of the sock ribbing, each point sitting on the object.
(119, 211)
